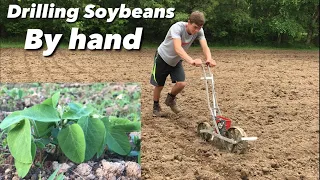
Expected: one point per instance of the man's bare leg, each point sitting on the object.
(156, 93)
(177, 88)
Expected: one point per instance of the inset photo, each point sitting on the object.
(70, 131)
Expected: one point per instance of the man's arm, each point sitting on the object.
(183, 54)
(207, 53)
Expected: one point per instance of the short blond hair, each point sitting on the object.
(197, 17)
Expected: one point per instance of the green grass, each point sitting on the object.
(11, 44)
(263, 48)
(244, 47)
(4, 43)
(147, 45)
(266, 47)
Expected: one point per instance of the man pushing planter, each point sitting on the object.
(170, 54)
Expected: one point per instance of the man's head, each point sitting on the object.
(195, 22)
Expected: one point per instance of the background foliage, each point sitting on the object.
(228, 22)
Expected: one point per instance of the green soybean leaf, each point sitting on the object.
(40, 144)
(53, 101)
(41, 112)
(101, 150)
(55, 132)
(72, 142)
(77, 111)
(43, 128)
(125, 124)
(47, 102)
(33, 150)
(116, 120)
(133, 117)
(20, 94)
(18, 137)
(94, 132)
(22, 168)
(130, 127)
(104, 144)
(116, 139)
(13, 118)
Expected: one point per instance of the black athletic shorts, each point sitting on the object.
(161, 70)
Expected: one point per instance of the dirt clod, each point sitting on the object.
(83, 169)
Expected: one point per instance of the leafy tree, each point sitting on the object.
(232, 22)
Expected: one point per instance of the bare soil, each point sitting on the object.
(271, 94)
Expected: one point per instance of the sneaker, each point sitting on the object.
(156, 110)
(171, 102)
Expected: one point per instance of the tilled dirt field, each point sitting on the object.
(271, 94)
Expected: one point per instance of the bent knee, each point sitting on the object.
(181, 84)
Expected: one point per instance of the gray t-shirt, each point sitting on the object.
(177, 30)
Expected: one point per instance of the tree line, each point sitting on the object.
(228, 22)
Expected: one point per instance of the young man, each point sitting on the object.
(169, 56)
